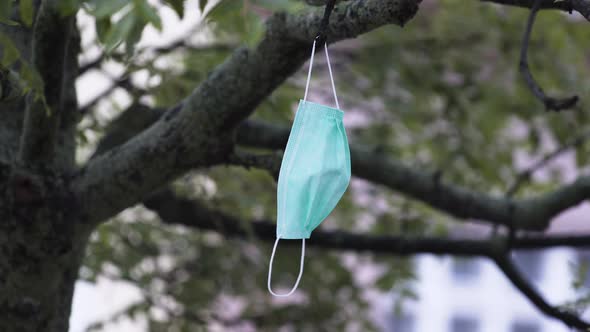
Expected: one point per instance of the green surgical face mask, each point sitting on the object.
(315, 171)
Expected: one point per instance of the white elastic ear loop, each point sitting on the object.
(272, 256)
(329, 70)
(309, 71)
(331, 77)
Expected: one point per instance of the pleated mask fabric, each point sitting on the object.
(315, 171)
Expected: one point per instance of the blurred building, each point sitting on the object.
(472, 295)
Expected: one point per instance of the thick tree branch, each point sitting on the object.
(581, 6)
(180, 44)
(270, 162)
(533, 213)
(51, 38)
(175, 210)
(530, 214)
(554, 104)
(199, 134)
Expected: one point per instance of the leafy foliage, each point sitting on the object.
(30, 80)
(443, 94)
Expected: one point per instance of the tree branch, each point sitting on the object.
(51, 39)
(581, 6)
(555, 104)
(533, 213)
(268, 162)
(124, 82)
(519, 281)
(175, 210)
(181, 44)
(529, 214)
(526, 174)
(200, 133)
(182, 211)
(134, 120)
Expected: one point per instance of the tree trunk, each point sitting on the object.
(41, 248)
(42, 233)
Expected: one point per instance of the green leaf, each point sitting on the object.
(132, 38)
(579, 272)
(106, 8)
(26, 12)
(5, 11)
(581, 157)
(69, 7)
(226, 9)
(148, 13)
(119, 32)
(178, 6)
(202, 5)
(32, 78)
(103, 26)
(8, 50)
(34, 85)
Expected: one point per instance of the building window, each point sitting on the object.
(402, 323)
(464, 324)
(530, 263)
(525, 326)
(465, 269)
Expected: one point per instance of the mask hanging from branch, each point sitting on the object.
(315, 170)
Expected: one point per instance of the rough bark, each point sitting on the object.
(532, 213)
(200, 133)
(55, 46)
(41, 254)
(41, 241)
(48, 209)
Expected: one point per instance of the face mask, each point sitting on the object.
(315, 171)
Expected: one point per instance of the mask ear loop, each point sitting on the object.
(272, 256)
(331, 77)
(329, 71)
(309, 71)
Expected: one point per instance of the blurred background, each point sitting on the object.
(441, 94)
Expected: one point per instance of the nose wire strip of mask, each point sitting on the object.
(329, 71)
(272, 256)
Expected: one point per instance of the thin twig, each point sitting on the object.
(161, 50)
(526, 174)
(554, 104)
(125, 83)
(511, 272)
